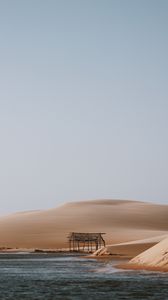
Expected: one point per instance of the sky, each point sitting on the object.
(83, 101)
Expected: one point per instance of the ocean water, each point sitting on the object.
(60, 276)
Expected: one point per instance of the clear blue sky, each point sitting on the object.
(83, 101)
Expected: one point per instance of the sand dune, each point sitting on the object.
(129, 249)
(155, 258)
(122, 221)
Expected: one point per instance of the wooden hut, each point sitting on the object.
(85, 241)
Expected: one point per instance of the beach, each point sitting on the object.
(130, 227)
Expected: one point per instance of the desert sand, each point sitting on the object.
(122, 221)
(129, 249)
(155, 258)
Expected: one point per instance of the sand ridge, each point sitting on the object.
(122, 221)
(129, 249)
(155, 258)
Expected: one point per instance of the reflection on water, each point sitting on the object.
(58, 276)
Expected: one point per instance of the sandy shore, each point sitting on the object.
(129, 249)
(137, 267)
(122, 221)
(155, 258)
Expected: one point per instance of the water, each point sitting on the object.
(58, 276)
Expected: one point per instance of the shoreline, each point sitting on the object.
(137, 267)
(31, 251)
